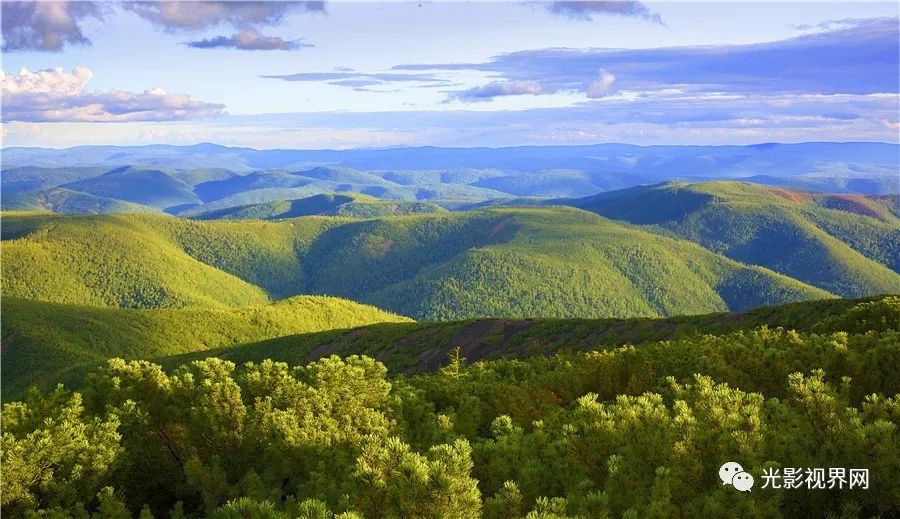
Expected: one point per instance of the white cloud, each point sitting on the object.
(49, 81)
(54, 95)
(601, 86)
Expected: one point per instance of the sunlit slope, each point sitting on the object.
(504, 262)
(42, 341)
(848, 245)
(111, 261)
(334, 204)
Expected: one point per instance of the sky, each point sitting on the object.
(377, 74)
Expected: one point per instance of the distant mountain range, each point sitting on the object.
(208, 177)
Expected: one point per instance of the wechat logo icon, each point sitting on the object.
(732, 473)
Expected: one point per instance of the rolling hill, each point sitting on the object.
(500, 262)
(846, 244)
(44, 341)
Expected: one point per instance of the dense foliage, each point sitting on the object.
(630, 431)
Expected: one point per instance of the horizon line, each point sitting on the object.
(403, 146)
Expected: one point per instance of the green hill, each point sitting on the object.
(503, 262)
(334, 204)
(111, 261)
(42, 342)
(848, 245)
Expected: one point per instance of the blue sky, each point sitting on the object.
(364, 74)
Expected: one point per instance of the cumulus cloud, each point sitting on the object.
(45, 25)
(601, 86)
(586, 9)
(500, 88)
(55, 95)
(50, 81)
(248, 39)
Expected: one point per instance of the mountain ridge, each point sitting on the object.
(215, 177)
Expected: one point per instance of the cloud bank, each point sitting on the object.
(861, 58)
(55, 95)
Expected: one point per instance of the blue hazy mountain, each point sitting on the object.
(207, 177)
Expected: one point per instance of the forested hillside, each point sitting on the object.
(631, 431)
(504, 262)
(848, 245)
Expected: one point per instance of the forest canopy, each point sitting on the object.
(632, 431)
